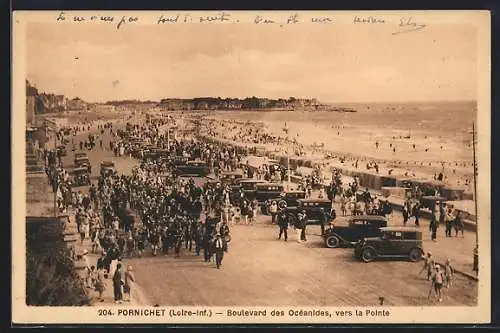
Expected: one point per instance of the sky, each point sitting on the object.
(330, 63)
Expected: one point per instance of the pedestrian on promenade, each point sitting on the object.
(283, 224)
(428, 265)
(406, 215)
(127, 286)
(416, 214)
(219, 247)
(299, 224)
(100, 284)
(273, 210)
(459, 225)
(343, 202)
(433, 226)
(449, 273)
(117, 284)
(437, 282)
(449, 218)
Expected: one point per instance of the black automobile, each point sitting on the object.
(231, 178)
(287, 199)
(247, 186)
(347, 232)
(265, 191)
(61, 151)
(177, 160)
(81, 158)
(193, 168)
(394, 243)
(81, 177)
(313, 208)
(107, 167)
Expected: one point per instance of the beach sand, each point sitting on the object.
(441, 133)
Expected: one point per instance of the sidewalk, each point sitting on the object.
(137, 295)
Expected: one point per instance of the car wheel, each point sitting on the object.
(368, 255)
(415, 255)
(332, 242)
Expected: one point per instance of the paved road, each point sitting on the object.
(259, 270)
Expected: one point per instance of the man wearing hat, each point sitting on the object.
(283, 224)
(219, 246)
(300, 226)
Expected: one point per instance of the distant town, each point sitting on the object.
(43, 102)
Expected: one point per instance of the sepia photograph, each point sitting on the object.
(268, 167)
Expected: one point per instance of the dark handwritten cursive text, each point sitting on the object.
(407, 24)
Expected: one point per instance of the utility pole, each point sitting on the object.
(168, 137)
(287, 157)
(55, 174)
(476, 250)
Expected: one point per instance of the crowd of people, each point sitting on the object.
(154, 211)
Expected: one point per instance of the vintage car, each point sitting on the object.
(81, 158)
(231, 178)
(313, 208)
(265, 191)
(394, 242)
(247, 186)
(287, 199)
(61, 150)
(107, 167)
(347, 232)
(177, 160)
(194, 168)
(81, 177)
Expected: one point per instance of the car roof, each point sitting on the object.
(369, 217)
(268, 184)
(107, 163)
(314, 200)
(401, 229)
(253, 181)
(433, 197)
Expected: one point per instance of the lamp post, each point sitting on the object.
(285, 129)
(476, 249)
(56, 180)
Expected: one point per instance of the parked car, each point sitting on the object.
(81, 158)
(312, 207)
(61, 151)
(81, 177)
(265, 191)
(247, 186)
(347, 232)
(197, 168)
(287, 199)
(394, 242)
(177, 160)
(231, 178)
(107, 167)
